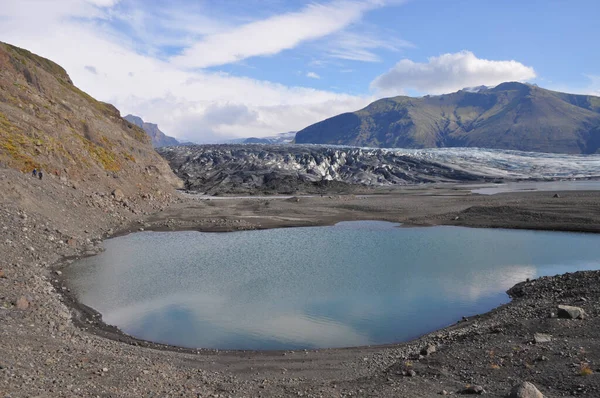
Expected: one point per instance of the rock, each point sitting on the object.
(556, 195)
(473, 390)
(540, 338)
(2, 274)
(410, 373)
(118, 194)
(59, 273)
(443, 392)
(525, 390)
(569, 312)
(22, 303)
(428, 350)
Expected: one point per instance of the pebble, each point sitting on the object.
(22, 303)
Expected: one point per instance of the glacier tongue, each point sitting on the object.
(511, 164)
(309, 168)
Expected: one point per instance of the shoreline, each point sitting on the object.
(90, 320)
(72, 343)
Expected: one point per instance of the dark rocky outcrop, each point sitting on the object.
(219, 169)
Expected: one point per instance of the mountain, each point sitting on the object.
(47, 123)
(281, 138)
(509, 116)
(158, 137)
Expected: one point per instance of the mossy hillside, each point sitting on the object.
(48, 122)
(28, 145)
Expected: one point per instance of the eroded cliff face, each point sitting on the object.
(289, 169)
(47, 123)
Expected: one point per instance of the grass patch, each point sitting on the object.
(107, 158)
(585, 370)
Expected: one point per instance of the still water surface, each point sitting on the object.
(355, 283)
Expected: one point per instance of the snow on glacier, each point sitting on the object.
(509, 164)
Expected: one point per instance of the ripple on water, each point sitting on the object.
(355, 283)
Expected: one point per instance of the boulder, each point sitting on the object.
(428, 350)
(473, 390)
(525, 390)
(118, 194)
(569, 312)
(540, 338)
(22, 303)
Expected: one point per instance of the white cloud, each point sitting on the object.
(594, 87)
(313, 75)
(193, 105)
(360, 46)
(273, 35)
(103, 3)
(448, 73)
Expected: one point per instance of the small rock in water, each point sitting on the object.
(569, 312)
(473, 390)
(540, 338)
(428, 350)
(525, 390)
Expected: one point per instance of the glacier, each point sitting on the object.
(312, 168)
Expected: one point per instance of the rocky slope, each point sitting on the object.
(49, 124)
(158, 137)
(289, 169)
(510, 116)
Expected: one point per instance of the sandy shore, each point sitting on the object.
(51, 346)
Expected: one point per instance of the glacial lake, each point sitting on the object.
(352, 284)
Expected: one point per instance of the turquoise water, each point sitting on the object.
(355, 283)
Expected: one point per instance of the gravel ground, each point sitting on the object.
(50, 346)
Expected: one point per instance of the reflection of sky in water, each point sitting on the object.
(356, 283)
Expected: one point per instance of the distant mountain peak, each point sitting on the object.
(159, 139)
(475, 89)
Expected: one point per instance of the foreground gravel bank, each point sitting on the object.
(45, 353)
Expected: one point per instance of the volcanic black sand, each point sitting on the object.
(51, 346)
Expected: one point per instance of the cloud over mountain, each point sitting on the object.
(449, 72)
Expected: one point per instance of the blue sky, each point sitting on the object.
(208, 70)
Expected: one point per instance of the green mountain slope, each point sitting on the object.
(509, 116)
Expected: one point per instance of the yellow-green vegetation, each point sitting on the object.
(585, 370)
(128, 156)
(13, 144)
(49, 66)
(107, 158)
